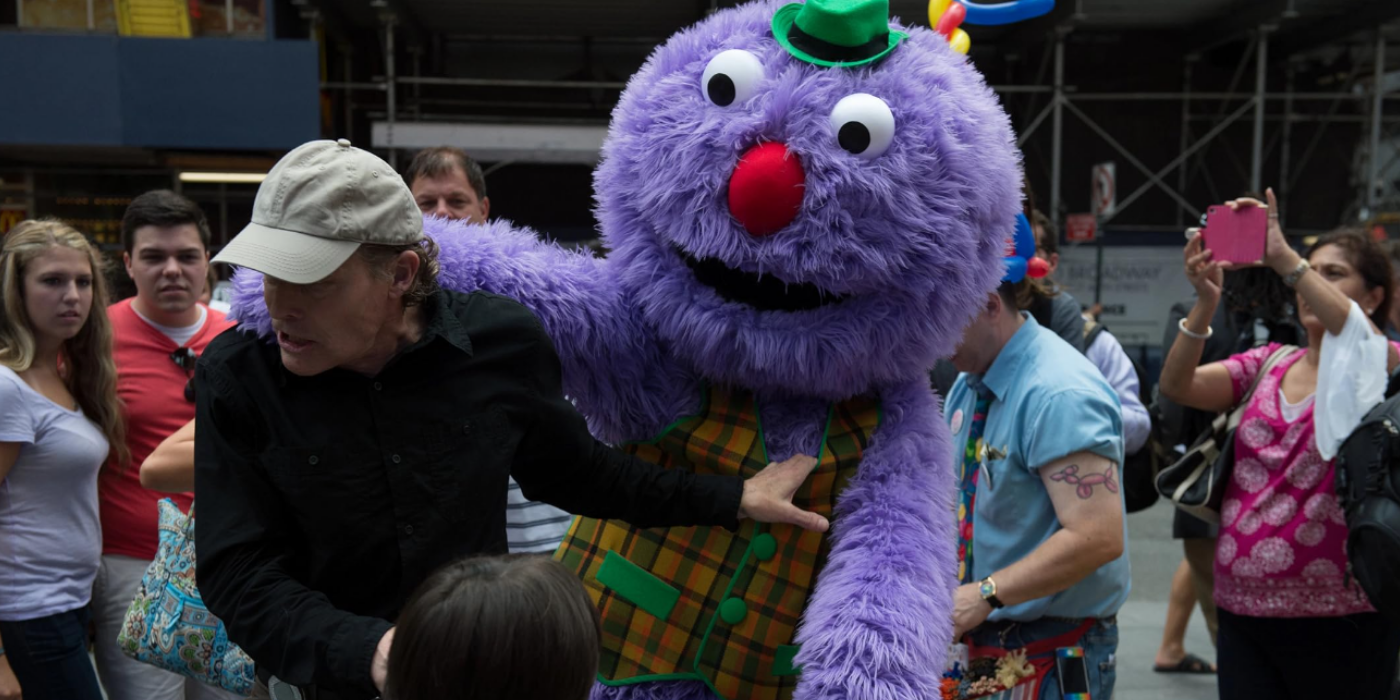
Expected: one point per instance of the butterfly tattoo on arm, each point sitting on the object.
(1085, 484)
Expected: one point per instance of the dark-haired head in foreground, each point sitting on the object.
(517, 626)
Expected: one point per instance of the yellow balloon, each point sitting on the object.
(936, 8)
(960, 41)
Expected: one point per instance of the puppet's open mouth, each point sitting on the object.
(765, 293)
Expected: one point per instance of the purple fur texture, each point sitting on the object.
(878, 624)
(913, 237)
(248, 307)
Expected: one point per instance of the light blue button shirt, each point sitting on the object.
(1049, 402)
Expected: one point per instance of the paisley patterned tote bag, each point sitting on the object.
(167, 624)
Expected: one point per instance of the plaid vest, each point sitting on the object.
(704, 603)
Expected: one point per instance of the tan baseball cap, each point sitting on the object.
(317, 206)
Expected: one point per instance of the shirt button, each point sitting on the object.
(396, 459)
(408, 529)
(378, 386)
(314, 459)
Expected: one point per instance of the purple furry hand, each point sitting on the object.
(768, 495)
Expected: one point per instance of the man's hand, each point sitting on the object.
(768, 495)
(969, 609)
(379, 667)
(9, 685)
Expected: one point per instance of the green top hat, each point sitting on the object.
(836, 33)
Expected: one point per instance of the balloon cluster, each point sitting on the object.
(947, 16)
(1020, 260)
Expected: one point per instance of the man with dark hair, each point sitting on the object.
(1042, 536)
(156, 337)
(337, 468)
(446, 182)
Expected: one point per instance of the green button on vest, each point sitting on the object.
(733, 611)
(765, 546)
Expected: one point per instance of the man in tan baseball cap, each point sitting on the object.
(338, 468)
(318, 205)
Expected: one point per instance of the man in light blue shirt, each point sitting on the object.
(1045, 554)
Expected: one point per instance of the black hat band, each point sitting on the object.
(836, 53)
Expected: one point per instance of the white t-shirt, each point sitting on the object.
(50, 535)
(178, 335)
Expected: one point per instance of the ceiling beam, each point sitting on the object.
(332, 18)
(1028, 33)
(1235, 22)
(1370, 15)
(408, 21)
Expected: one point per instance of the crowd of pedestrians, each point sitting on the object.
(343, 577)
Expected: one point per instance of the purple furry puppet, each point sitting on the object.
(804, 205)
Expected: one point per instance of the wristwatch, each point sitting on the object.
(988, 588)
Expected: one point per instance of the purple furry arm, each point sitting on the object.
(613, 368)
(878, 624)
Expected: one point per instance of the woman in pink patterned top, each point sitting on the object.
(1291, 625)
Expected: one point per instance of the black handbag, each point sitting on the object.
(1196, 482)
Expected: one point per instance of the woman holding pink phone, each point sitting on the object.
(1290, 626)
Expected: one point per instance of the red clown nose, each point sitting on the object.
(765, 190)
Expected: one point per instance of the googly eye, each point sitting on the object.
(863, 124)
(731, 77)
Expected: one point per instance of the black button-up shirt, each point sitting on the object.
(324, 501)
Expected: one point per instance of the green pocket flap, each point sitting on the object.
(638, 586)
(782, 660)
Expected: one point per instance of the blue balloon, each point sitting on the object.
(1023, 238)
(1005, 12)
(1015, 270)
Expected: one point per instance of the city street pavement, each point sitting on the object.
(1155, 556)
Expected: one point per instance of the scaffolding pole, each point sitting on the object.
(1377, 82)
(391, 81)
(1286, 150)
(1256, 161)
(1185, 131)
(1057, 127)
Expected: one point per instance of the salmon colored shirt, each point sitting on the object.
(152, 390)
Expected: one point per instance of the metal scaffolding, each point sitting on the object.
(1221, 109)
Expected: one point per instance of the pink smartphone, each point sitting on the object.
(1236, 235)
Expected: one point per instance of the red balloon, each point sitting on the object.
(952, 19)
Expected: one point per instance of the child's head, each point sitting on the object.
(518, 626)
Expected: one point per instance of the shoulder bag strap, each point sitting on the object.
(1278, 355)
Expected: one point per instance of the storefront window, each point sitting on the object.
(74, 15)
(93, 202)
(212, 18)
(208, 18)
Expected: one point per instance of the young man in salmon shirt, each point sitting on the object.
(157, 335)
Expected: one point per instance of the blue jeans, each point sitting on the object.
(49, 656)
(1100, 644)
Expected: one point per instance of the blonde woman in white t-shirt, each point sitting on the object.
(58, 421)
